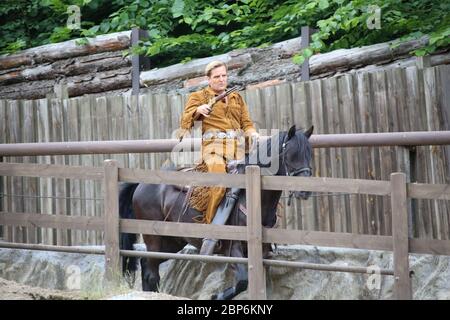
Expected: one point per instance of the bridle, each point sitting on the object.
(294, 172)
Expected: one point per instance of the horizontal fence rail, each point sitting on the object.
(418, 138)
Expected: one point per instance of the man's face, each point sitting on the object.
(218, 80)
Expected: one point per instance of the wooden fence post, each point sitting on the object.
(399, 206)
(256, 274)
(305, 39)
(112, 250)
(138, 62)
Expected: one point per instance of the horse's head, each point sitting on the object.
(296, 155)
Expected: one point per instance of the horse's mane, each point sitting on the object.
(302, 148)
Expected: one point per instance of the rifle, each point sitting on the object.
(212, 101)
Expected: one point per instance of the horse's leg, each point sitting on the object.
(150, 266)
(240, 273)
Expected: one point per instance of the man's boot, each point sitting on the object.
(221, 217)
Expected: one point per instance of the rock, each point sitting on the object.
(431, 279)
(52, 270)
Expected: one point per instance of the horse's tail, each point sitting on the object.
(126, 191)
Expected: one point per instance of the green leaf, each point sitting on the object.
(94, 29)
(177, 8)
(420, 52)
(323, 4)
(311, 5)
(307, 52)
(298, 59)
(154, 33)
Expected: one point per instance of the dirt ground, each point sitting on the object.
(10, 290)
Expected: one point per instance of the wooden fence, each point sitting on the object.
(397, 189)
(408, 99)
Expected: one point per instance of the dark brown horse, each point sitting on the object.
(288, 153)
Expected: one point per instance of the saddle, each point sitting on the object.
(199, 195)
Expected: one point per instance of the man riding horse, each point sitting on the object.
(225, 124)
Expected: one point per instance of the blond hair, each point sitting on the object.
(214, 65)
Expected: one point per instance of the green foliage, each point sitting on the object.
(402, 20)
(180, 30)
(30, 23)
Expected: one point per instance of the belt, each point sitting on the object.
(220, 135)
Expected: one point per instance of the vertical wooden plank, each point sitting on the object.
(415, 101)
(163, 116)
(301, 110)
(402, 286)
(45, 184)
(431, 107)
(399, 122)
(320, 155)
(441, 122)
(8, 230)
(112, 250)
(443, 80)
(435, 120)
(256, 275)
(176, 106)
(100, 117)
(283, 98)
(132, 121)
(72, 128)
(152, 120)
(190, 157)
(350, 156)
(57, 135)
(376, 83)
(269, 103)
(117, 125)
(374, 159)
(3, 229)
(364, 100)
(382, 156)
(331, 100)
(16, 190)
(256, 109)
(66, 197)
(158, 117)
(144, 127)
(29, 183)
(140, 102)
(87, 186)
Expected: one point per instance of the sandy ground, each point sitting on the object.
(10, 290)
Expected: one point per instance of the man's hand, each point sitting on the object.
(254, 136)
(204, 110)
(254, 139)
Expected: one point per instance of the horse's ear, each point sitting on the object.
(291, 132)
(309, 132)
